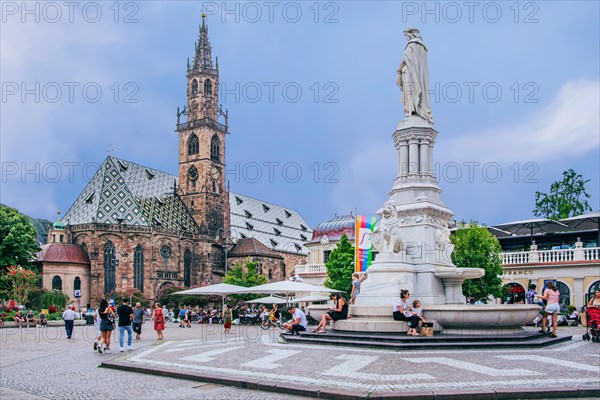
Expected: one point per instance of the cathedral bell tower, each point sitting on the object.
(202, 143)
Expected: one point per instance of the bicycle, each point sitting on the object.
(267, 323)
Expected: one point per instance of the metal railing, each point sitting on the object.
(197, 123)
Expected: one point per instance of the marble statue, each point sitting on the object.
(413, 77)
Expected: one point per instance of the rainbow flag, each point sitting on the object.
(363, 246)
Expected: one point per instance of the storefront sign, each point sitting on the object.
(518, 272)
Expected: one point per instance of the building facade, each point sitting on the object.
(145, 229)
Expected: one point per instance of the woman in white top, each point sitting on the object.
(400, 313)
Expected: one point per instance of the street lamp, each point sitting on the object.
(218, 238)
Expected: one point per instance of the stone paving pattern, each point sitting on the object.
(41, 363)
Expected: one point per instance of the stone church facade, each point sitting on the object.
(148, 230)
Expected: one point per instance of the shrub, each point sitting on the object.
(54, 298)
(35, 298)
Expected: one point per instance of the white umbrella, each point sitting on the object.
(288, 288)
(268, 300)
(311, 298)
(220, 289)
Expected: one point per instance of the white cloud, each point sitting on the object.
(567, 127)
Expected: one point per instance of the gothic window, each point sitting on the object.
(110, 267)
(187, 268)
(56, 283)
(214, 148)
(193, 144)
(138, 268)
(194, 88)
(214, 186)
(77, 283)
(207, 87)
(84, 247)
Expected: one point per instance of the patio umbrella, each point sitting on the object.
(220, 289)
(288, 288)
(537, 226)
(310, 298)
(585, 222)
(268, 300)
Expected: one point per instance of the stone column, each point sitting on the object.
(578, 252)
(424, 157)
(430, 157)
(578, 294)
(534, 256)
(413, 155)
(403, 159)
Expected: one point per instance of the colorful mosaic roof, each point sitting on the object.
(335, 228)
(122, 191)
(277, 227)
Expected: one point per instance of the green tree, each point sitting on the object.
(246, 276)
(17, 238)
(476, 247)
(340, 266)
(565, 198)
(17, 282)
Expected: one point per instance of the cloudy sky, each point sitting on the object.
(310, 89)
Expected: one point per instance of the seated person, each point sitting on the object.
(337, 312)
(43, 321)
(400, 312)
(274, 315)
(19, 318)
(29, 317)
(417, 310)
(298, 322)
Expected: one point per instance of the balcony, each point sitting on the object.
(307, 269)
(198, 123)
(535, 256)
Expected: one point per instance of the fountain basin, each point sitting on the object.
(482, 317)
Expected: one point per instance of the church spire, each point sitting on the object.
(203, 57)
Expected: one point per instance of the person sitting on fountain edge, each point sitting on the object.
(337, 312)
(298, 322)
(400, 313)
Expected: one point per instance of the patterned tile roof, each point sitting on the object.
(335, 228)
(277, 227)
(136, 195)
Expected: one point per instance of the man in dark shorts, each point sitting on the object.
(125, 313)
(298, 322)
(139, 317)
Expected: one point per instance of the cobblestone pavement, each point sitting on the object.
(42, 363)
(248, 354)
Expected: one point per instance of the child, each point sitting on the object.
(417, 310)
(356, 281)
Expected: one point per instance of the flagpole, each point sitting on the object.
(355, 240)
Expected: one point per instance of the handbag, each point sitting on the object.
(110, 317)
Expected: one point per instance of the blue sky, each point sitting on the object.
(533, 111)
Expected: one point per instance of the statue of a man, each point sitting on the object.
(413, 77)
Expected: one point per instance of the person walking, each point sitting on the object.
(551, 295)
(227, 318)
(181, 316)
(107, 325)
(69, 317)
(159, 321)
(125, 313)
(139, 317)
(97, 321)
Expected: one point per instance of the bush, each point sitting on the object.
(54, 298)
(35, 298)
(54, 316)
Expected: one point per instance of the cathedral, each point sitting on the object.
(135, 227)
